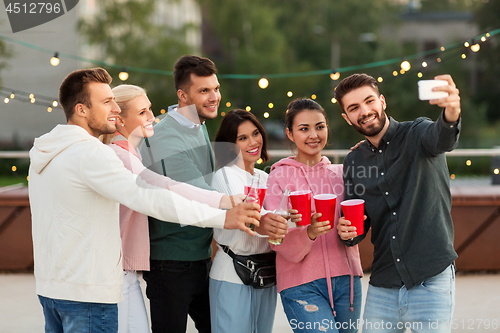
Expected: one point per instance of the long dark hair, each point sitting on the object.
(228, 132)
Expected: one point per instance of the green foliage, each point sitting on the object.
(129, 33)
(488, 91)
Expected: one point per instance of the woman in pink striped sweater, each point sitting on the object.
(318, 277)
(133, 124)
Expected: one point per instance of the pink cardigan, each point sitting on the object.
(133, 225)
(299, 259)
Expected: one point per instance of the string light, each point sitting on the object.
(259, 161)
(14, 168)
(442, 48)
(395, 73)
(263, 83)
(405, 65)
(452, 176)
(475, 47)
(420, 74)
(334, 75)
(424, 64)
(248, 108)
(270, 105)
(464, 56)
(438, 59)
(49, 109)
(468, 163)
(228, 104)
(32, 101)
(6, 100)
(31, 96)
(402, 71)
(223, 114)
(466, 44)
(333, 100)
(496, 171)
(162, 111)
(289, 94)
(157, 120)
(12, 95)
(487, 34)
(54, 61)
(483, 39)
(313, 96)
(380, 79)
(266, 114)
(123, 74)
(54, 104)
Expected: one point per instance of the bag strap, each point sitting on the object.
(227, 250)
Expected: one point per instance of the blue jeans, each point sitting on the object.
(308, 308)
(62, 316)
(427, 307)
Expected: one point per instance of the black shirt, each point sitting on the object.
(405, 184)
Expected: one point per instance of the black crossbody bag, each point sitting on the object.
(257, 270)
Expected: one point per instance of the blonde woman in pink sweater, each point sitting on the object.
(134, 123)
(318, 277)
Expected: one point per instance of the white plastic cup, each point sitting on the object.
(425, 92)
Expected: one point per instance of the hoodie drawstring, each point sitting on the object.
(328, 274)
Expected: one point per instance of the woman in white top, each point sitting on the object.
(235, 307)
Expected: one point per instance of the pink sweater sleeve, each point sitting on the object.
(134, 164)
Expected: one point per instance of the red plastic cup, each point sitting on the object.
(325, 204)
(301, 201)
(261, 192)
(354, 210)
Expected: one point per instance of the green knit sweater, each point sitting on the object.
(183, 154)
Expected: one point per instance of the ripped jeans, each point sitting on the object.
(308, 308)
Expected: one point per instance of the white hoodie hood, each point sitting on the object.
(51, 144)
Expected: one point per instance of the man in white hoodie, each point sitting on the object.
(76, 184)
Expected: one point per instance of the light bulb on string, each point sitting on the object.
(289, 94)
(6, 100)
(228, 104)
(464, 56)
(313, 96)
(380, 79)
(487, 34)
(402, 71)
(334, 75)
(333, 100)
(424, 64)
(54, 61)
(270, 105)
(405, 65)
(248, 108)
(395, 73)
(420, 74)
(483, 39)
(266, 114)
(123, 74)
(443, 48)
(475, 48)
(466, 44)
(263, 83)
(12, 95)
(55, 104)
(32, 101)
(49, 109)
(31, 96)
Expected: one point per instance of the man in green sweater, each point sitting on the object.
(177, 284)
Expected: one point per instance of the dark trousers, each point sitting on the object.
(175, 290)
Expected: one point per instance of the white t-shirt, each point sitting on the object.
(231, 180)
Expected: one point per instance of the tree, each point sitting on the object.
(130, 34)
(488, 90)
